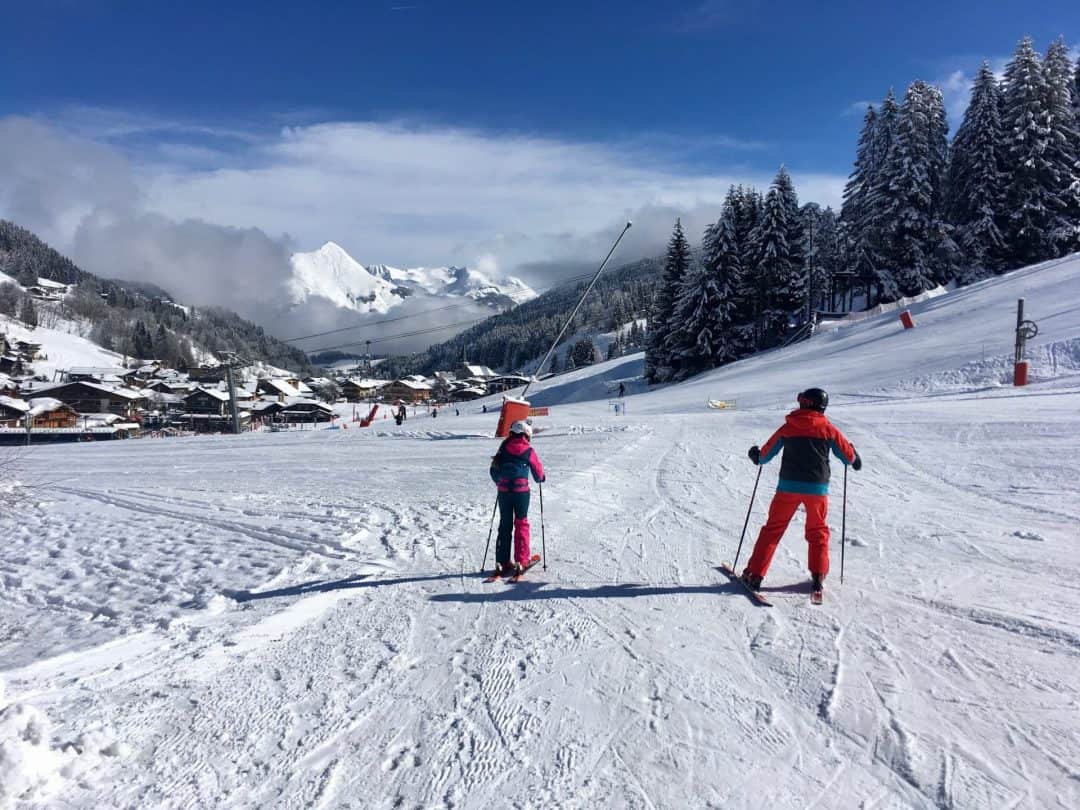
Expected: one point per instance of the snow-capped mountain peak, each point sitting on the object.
(331, 273)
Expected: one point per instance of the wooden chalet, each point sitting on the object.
(27, 349)
(207, 374)
(13, 412)
(11, 363)
(277, 388)
(304, 411)
(406, 391)
(208, 412)
(358, 390)
(466, 393)
(505, 382)
(90, 397)
(51, 413)
(468, 370)
(209, 401)
(96, 374)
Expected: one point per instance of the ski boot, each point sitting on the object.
(752, 581)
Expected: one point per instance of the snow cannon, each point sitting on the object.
(1020, 373)
(907, 320)
(512, 410)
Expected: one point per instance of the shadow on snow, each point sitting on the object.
(326, 585)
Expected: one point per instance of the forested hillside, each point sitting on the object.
(136, 319)
(918, 212)
(509, 340)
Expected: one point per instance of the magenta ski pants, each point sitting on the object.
(513, 518)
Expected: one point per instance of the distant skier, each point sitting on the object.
(622, 390)
(806, 437)
(510, 469)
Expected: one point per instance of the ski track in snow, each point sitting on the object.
(298, 621)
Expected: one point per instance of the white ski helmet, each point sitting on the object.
(522, 427)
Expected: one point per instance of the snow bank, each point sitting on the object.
(1047, 362)
(31, 767)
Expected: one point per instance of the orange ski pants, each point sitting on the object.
(781, 511)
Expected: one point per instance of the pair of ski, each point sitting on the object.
(817, 597)
(497, 577)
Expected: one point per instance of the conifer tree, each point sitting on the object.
(913, 228)
(822, 251)
(861, 180)
(1026, 122)
(976, 184)
(1064, 150)
(28, 313)
(866, 248)
(737, 283)
(1076, 97)
(781, 284)
(703, 307)
(658, 360)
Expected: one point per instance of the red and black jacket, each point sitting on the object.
(806, 437)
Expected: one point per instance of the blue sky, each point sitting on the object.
(757, 72)
(510, 136)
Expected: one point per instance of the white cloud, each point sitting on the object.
(388, 192)
(411, 195)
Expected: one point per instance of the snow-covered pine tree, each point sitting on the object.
(820, 249)
(1064, 149)
(1076, 96)
(781, 277)
(866, 253)
(659, 364)
(1029, 207)
(913, 228)
(976, 184)
(860, 181)
(726, 268)
(703, 308)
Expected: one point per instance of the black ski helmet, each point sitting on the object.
(816, 399)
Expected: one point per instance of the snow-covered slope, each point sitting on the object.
(60, 349)
(294, 620)
(333, 274)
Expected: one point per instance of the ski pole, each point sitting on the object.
(490, 529)
(734, 565)
(543, 536)
(843, 528)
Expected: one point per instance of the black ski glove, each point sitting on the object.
(857, 463)
(754, 454)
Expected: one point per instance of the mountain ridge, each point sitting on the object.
(330, 272)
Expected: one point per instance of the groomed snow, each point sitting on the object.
(294, 620)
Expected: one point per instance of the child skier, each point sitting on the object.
(806, 437)
(510, 468)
